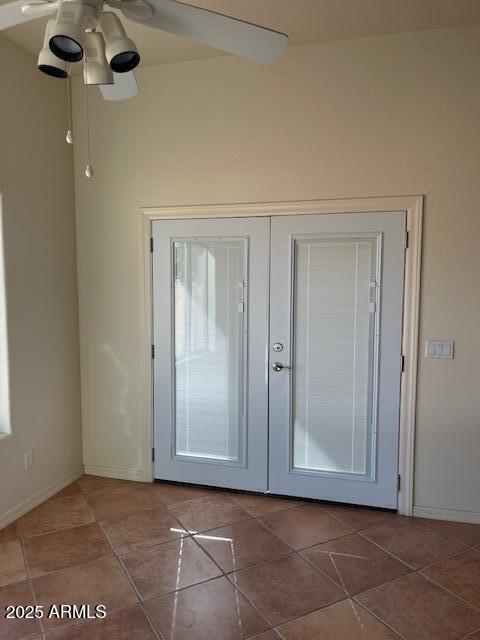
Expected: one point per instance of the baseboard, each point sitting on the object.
(137, 475)
(26, 505)
(454, 515)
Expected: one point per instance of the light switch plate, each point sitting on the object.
(440, 349)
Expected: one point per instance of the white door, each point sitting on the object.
(328, 366)
(336, 323)
(210, 292)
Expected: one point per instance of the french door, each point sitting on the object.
(210, 292)
(278, 344)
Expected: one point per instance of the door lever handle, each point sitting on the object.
(278, 366)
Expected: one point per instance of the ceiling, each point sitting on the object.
(305, 21)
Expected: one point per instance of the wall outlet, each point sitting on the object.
(440, 349)
(28, 459)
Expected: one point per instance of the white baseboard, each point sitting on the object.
(137, 475)
(454, 515)
(26, 505)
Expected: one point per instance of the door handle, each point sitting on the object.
(278, 366)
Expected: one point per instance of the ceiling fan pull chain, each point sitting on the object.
(88, 168)
(69, 137)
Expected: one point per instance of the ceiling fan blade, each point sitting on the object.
(125, 87)
(11, 14)
(214, 29)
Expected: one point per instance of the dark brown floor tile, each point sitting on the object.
(305, 526)
(268, 635)
(61, 549)
(167, 567)
(18, 593)
(141, 529)
(420, 610)
(12, 565)
(413, 542)
(73, 489)
(242, 545)
(359, 518)
(259, 505)
(122, 501)
(354, 563)
(286, 588)
(474, 636)
(213, 610)
(207, 513)
(344, 620)
(101, 582)
(469, 534)
(9, 533)
(460, 575)
(98, 484)
(55, 514)
(172, 493)
(123, 624)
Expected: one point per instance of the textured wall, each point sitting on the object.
(36, 177)
(381, 116)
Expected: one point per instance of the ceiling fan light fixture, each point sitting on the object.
(67, 37)
(96, 70)
(121, 52)
(49, 63)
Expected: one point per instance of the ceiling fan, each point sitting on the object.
(82, 30)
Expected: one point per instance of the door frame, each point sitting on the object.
(411, 205)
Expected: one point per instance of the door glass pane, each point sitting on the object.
(209, 276)
(334, 327)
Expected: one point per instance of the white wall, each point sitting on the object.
(382, 116)
(5, 425)
(36, 177)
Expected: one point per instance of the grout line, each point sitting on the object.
(343, 535)
(292, 506)
(171, 593)
(444, 535)
(452, 593)
(226, 576)
(455, 555)
(470, 634)
(178, 536)
(58, 530)
(389, 582)
(71, 623)
(448, 556)
(416, 572)
(377, 618)
(272, 627)
(230, 575)
(390, 553)
(325, 575)
(447, 537)
(29, 577)
(152, 623)
(294, 551)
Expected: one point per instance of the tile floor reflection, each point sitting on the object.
(175, 562)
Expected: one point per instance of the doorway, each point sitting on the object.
(278, 354)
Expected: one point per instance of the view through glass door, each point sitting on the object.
(332, 286)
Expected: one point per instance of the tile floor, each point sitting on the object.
(181, 563)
